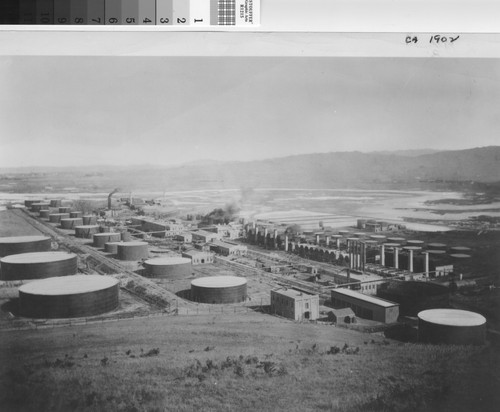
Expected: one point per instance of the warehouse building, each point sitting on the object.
(205, 236)
(365, 306)
(294, 304)
(199, 257)
(228, 248)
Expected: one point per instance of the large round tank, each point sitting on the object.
(64, 209)
(38, 265)
(451, 326)
(219, 289)
(75, 214)
(133, 250)
(378, 237)
(414, 242)
(89, 220)
(169, 267)
(126, 236)
(112, 247)
(100, 239)
(460, 249)
(44, 213)
(56, 217)
(36, 207)
(24, 244)
(436, 246)
(69, 297)
(86, 231)
(55, 202)
(396, 239)
(29, 203)
(71, 223)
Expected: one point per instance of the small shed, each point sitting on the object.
(345, 315)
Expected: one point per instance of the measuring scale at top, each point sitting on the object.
(191, 13)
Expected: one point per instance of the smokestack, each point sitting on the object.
(286, 243)
(328, 241)
(427, 265)
(382, 255)
(396, 258)
(411, 261)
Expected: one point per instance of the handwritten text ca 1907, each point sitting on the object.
(433, 39)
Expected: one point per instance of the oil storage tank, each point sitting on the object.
(75, 214)
(69, 297)
(219, 289)
(55, 202)
(451, 326)
(64, 209)
(24, 244)
(71, 223)
(86, 231)
(132, 250)
(100, 239)
(173, 267)
(36, 207)
(56, 217)
(112, 247)
(29, 203)
(37, 265)
(44, 214)
(89, 220)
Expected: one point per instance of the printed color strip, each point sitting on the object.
(164, 12)
(113, 11)
(200, 13)
(130, 12)
(181, 12)
(62, 13)
(45, 12)
(78, 12)
(95, 12)
(27, 12)
(147, 11)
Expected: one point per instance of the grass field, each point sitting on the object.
(250, 362)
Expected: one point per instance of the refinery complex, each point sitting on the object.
(117, 262)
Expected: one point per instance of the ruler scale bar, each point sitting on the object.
(188, 13)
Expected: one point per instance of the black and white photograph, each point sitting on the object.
(272, 223)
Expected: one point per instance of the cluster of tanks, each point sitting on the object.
(56, 290)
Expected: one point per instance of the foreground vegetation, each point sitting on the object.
(243, 362)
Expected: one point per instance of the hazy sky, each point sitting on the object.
(168, 110)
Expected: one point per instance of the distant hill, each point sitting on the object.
(320, 170)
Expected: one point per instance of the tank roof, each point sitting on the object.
(218, 281)
(22, 239)
(68, 285)
(38, 257)
(169, 260)
(452, 317)
(131, 244)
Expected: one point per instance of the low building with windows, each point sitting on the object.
(205, 236)
(365, 306)
(198, 257)
(295, 304)
(228, 248)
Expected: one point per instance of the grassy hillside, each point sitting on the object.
(249, 362)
